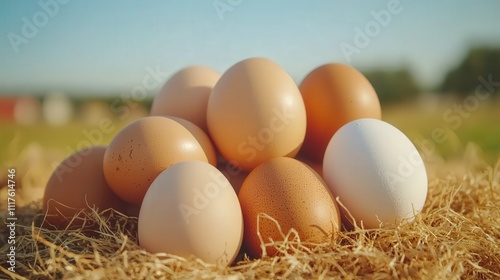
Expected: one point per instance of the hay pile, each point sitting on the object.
(456, 236)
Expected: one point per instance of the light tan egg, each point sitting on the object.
(185, 95)
(256, 113)
(192, 210)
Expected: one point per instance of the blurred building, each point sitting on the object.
(28, 110)
(57, 109)
(93, 111)
(7, 105)
(25, 110)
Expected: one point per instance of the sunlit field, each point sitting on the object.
(418, 122)
(448, 136)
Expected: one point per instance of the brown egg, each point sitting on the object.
(185, 95)
(76, 185)
(256, 113)
(293, 194)
(202, 138)
(143, 149)
(334, 94)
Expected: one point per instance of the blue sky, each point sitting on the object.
(107, 45)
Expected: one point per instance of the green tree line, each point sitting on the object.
(399, 84)
(478, 62)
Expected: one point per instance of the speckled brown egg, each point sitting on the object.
(143, 149)
(294, 195)
(77, 185)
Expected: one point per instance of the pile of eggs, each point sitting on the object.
(243, 158)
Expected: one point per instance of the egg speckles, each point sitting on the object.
(143, 149)
(293, 194)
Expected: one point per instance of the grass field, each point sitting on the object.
(481, 126)
(457, 235)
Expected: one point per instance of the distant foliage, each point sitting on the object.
(478, 62)
(393, 85)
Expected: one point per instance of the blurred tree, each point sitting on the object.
(393, 85)
(478, 62)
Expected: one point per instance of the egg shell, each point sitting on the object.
(77, 185)
(201, 137)
(256, 113)
(192, 209)
(292, 193)
(376, 172)
(334, 94)
(142, 150)
(185, 95)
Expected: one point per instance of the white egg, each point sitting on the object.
(376, 172)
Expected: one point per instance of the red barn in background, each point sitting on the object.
(7, 106)
(23, 110)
